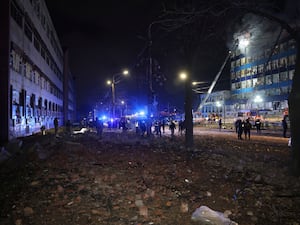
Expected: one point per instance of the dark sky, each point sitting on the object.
(104, 37)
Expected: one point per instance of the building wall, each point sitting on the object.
(215, 105)
(4, 71)
(268, 75)
(69, 91)
(35, 68)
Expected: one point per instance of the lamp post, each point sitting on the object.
(124, 108)
(115, 80)
(220, 105)
(188, 117)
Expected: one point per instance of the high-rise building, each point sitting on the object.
(35, 82)
(261, 80)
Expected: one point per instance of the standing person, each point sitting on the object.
(236, 125)
(247, 128)
(172, 128)
(99, 127)
(55, 122)
(143, 128)
(157, 126)
(181, 127)
(163, 125)
(220, 124)
(239, 125)
(284, 127)
(258, 125)
(137, 126)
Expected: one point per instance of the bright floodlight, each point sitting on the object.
(244, 43)
(183, 76)
(125, 72)
(258, 98)
(108, 82)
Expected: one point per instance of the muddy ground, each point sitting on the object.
(124, 179)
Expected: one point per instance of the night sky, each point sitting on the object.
(105, 37)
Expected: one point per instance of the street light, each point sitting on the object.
(198, 88)
(116, 78)
(188, 117)
(183, 76)
(123, 110)
(219, 105)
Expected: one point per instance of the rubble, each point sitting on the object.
(124, 179)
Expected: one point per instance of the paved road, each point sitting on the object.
(274, 135)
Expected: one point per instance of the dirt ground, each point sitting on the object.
(124, 179)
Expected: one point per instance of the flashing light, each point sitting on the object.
(104, 117)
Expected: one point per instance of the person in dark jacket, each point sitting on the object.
(239, 127)
(284, 127)
(247, 128)
(258, 125)
(55, 123)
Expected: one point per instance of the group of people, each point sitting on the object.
(243, 126)
(144, 127)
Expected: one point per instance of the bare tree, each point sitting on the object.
(217, 16)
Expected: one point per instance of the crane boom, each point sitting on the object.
(214, 82)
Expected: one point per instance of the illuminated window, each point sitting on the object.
(291, 74)
(276, 78)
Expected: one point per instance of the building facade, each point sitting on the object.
(261, 83)
(34, 72)
(215, 106)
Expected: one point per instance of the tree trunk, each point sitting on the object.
(294, 115)
(189, 133)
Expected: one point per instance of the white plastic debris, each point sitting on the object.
(207, 216)
(81, 131)
(290, 142)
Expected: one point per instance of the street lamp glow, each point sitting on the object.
(194, 83)
(183, 76)
(125, 72)
(109, 82)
